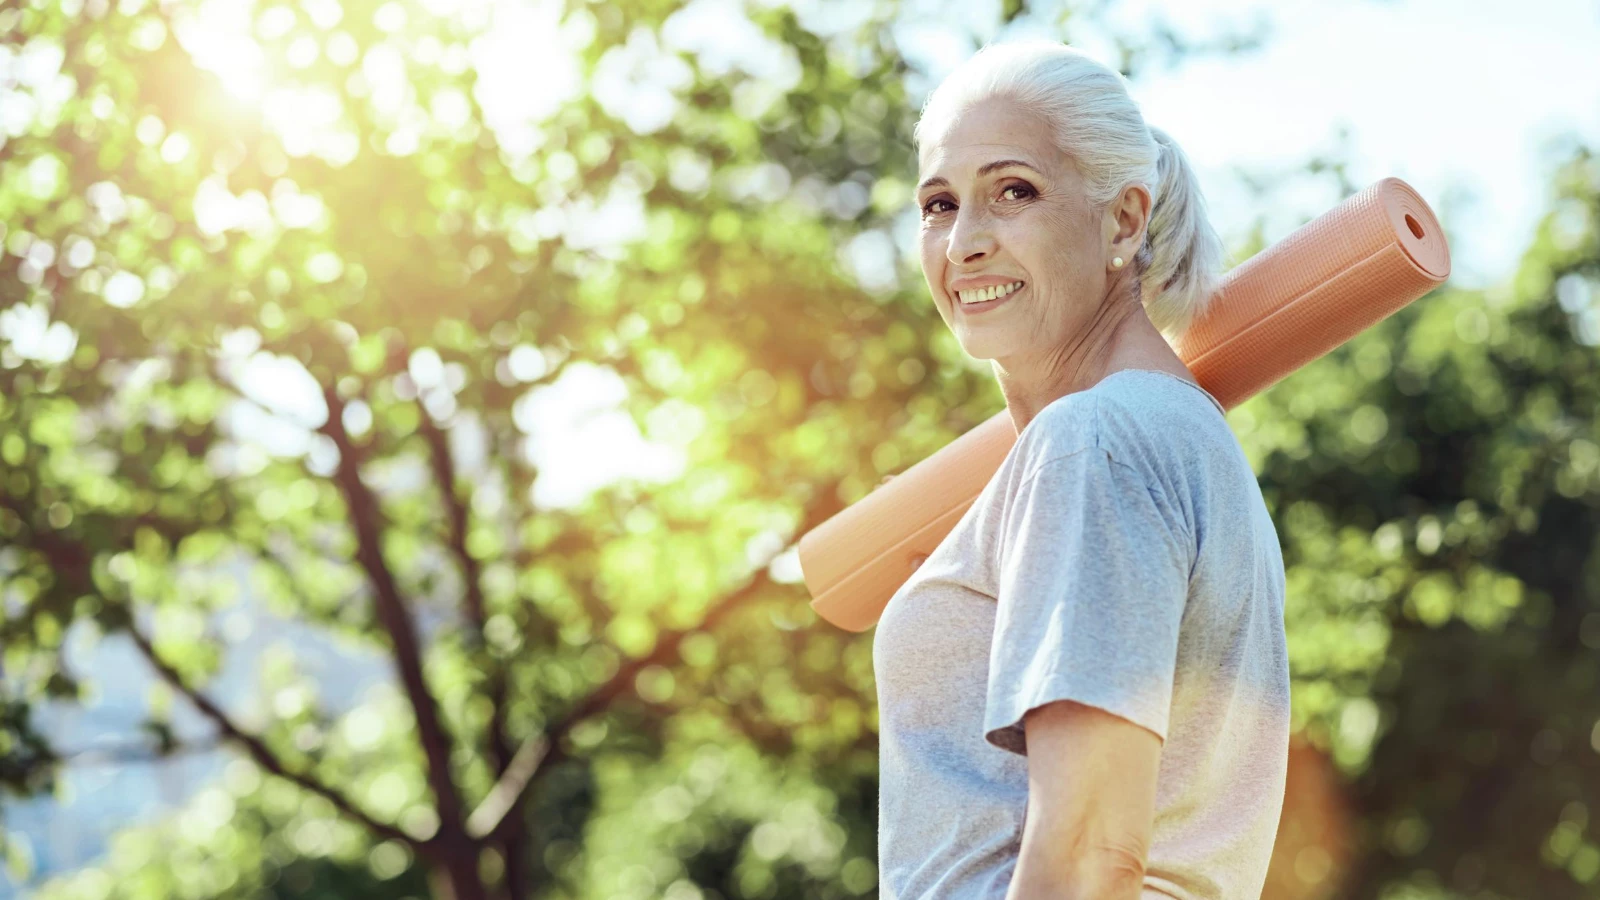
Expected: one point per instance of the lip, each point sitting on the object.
(981, 281)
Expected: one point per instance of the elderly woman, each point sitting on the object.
(1084, 691)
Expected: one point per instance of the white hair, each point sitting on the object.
(1099, 126)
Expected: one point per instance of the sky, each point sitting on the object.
(1440, 94)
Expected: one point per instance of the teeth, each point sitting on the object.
(989, 293)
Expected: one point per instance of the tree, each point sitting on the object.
(1436, 485)
(351, 230)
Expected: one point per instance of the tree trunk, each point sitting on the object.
(456, 877)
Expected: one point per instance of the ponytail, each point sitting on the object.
(1181, 259)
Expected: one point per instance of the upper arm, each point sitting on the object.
(1093, 586)
(1091, 803)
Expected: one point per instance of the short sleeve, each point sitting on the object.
(1093, 578)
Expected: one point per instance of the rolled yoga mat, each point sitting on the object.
(1286, 306)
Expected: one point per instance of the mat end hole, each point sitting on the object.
(1414, 225)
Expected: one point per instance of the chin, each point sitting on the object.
(983, 348)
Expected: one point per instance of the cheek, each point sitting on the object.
(1050, 242)
(931, 244)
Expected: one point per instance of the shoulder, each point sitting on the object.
(1066, 426)
(1151, 423)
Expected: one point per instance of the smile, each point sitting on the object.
(993, 292)
(980, 299)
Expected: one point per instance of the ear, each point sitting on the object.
(1126, 220)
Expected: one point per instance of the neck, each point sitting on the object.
(1119, 337)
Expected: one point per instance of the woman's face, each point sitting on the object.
(1001, 204)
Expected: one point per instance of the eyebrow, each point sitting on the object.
(983, 170)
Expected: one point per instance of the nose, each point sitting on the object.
(970, 238)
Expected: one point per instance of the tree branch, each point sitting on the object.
(513, 839)
(395, 618)
(72, 560)
(491, 816)
(546, 747)
(442, 463)
(262, 754)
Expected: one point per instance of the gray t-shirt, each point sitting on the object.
(1121, 557)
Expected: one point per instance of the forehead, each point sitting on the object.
(996, 129)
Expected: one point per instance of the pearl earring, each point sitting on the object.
(1116, 262)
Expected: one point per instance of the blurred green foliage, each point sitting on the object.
(270, 329)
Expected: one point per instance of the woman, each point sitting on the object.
(1084, 691)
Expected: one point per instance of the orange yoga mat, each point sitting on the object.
(1286, 306)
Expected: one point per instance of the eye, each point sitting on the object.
(1027, 192)
(931, 207)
